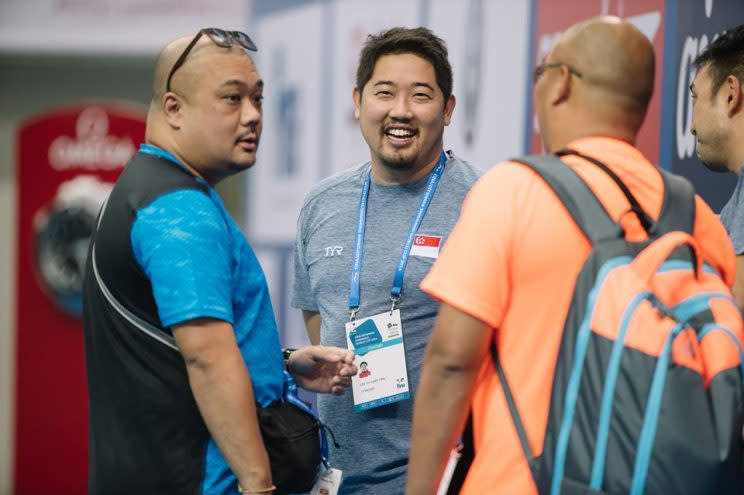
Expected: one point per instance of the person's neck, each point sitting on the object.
(737, 157)
(391, 176)
(609, 132)
(173, 150)
(577, 123)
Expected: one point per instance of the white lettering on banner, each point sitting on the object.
(92, 148)
(683, 121)
(685, 139)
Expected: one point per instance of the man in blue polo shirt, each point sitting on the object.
(180, 338)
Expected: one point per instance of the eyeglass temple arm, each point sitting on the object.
(182, 58)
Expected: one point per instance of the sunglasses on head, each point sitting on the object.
(221, 38)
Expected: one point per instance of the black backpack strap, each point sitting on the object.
(678, 207)
(647, 222)
(585, 208)
(513, 411)
(532, 461)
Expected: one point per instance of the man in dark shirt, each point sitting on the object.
(180, 338)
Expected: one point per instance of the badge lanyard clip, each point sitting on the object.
(394, 300)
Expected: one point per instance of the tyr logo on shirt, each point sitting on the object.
(333, 251)
(426, 246)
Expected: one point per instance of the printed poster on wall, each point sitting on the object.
(353, 21)
(289, 59)
(487, 45)
(68, 160)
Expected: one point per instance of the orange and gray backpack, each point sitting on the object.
(648, 391)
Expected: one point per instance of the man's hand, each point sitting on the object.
(322, 369)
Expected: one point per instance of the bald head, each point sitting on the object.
(188, 73)
(601, 82)
(616, 61)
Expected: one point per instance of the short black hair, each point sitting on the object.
(418, 41)
(725, 57)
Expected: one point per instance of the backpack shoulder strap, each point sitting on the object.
(587, 211)
(678, 206)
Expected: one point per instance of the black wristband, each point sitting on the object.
(286, 352)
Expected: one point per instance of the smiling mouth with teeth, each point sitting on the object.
(400, 133)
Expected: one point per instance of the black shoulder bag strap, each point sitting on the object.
(143, 326)
(678, 206)
(647, 222)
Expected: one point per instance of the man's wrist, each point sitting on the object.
(249, 491)
(286, 353)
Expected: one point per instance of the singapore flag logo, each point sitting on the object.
(426, 246)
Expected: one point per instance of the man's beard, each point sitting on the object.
(399, 162)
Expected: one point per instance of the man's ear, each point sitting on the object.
(449, 107)
(561, 91)
(173, 110)
(356, 95)
(734, 98)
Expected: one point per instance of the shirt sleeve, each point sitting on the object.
(302, 296)
(481, 242)
(182, 243)
(714, 242)
(732, 218)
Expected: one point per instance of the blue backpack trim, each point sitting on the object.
(613, 372)
(572, 391)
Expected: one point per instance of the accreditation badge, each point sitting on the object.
(377, 342)
(328, 483)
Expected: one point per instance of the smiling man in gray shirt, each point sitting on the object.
(381, 225)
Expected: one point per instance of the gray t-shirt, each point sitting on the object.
(732, 216)
(374, 443)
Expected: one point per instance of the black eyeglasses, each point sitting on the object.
(540, 69)
(221, 38)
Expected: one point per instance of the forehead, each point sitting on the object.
(403, 69)
(220, 65)
(702, 78)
